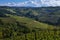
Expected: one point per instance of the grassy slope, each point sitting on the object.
(27, 21)
(30, 22)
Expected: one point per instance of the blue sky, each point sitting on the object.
(31, 3)
(6, 1)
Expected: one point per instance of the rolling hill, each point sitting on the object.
(50, 15)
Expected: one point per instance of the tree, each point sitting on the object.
(7, 33)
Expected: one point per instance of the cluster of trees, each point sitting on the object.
(34, 35)
(11, 28)
(15, 31)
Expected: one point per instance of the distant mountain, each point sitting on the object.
(50, 15)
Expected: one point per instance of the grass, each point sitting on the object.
(30, 23)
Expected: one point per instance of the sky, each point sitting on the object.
(30, 3)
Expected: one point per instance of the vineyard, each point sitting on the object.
(38, 35)
(41, 35)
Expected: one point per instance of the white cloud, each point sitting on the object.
(39, 3)
(50, 2)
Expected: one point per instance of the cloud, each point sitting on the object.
(34, 3)
(50, 2)
(40, 3)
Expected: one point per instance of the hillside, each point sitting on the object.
(21, 23)
(50, 15)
